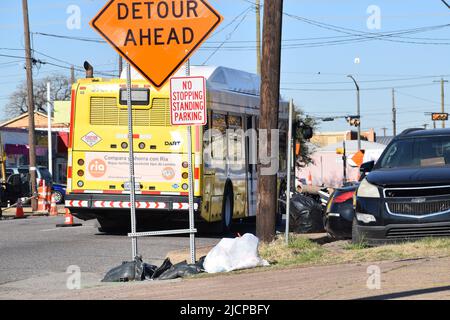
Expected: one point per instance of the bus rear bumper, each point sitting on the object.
(98, 203)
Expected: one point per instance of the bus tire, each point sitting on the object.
(227, 210)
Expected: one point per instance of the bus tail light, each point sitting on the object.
(81, 162)
(80, 173)
(197, 173)
(185, 165)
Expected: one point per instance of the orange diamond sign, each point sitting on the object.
(156, 37)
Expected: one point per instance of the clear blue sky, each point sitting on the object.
(315, 76)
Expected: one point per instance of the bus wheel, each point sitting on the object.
(227, 211)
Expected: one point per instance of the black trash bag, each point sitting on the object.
(306, 215)
(163, 268)
(181, 270)
(200, 263)
(148, 271)
(128, 271)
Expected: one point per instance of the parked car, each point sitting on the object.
(42, 173)
(406, 194)
(18, 180)
(59, 190)
(340, 212)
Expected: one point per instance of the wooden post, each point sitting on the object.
(30, 100)
(258, 37)
(270, 97)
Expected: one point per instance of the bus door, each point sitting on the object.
(251, 156)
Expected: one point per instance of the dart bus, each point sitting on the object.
(98, 164)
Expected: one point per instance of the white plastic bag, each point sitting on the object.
(234, 254)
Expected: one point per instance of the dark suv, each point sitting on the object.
(406, 194)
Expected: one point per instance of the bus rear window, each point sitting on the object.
(139, 97)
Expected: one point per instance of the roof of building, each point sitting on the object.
(352, 146)
(385, 140)
(21, 122)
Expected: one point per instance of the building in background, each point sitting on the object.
(327, 168)
(14, 136)
(323, 139)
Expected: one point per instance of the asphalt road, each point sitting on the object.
(35, 255)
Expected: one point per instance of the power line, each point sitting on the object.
(228, 37)
(362, 89)
(362, 81)
(419, 98)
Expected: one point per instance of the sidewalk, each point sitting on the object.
(410, 279)
(11, 212)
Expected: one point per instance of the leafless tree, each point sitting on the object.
(60, 91)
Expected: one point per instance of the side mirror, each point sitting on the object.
(367, 167)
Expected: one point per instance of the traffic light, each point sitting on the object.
(353, 121)
(439, 116)
(307, 132)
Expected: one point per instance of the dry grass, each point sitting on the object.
(302, 251)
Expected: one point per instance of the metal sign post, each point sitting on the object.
(191, 182)
(49, 119)
(289, 165)
(132, 177)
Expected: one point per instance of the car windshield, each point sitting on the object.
(417, 152)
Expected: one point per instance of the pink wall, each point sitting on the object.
(332, 165)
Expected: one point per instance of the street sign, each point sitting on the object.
(156, 37)
(439, 116)
(358, 158)
(188, 101)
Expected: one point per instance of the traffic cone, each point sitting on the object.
(53, 207)
(68, 221)
(19, 210)
(310, 181)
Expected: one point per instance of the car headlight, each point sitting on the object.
(365, 218)
(367, 190)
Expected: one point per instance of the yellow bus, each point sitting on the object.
(225, 170)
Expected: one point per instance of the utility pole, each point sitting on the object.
(72, 75)
(443, 98)
(394, 114)
(442, 81)
(358, 109)
(384, 131)
(270, 100)
(30, 99)
(258, 37)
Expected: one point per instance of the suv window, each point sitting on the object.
(45, 174)
(417, 152)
